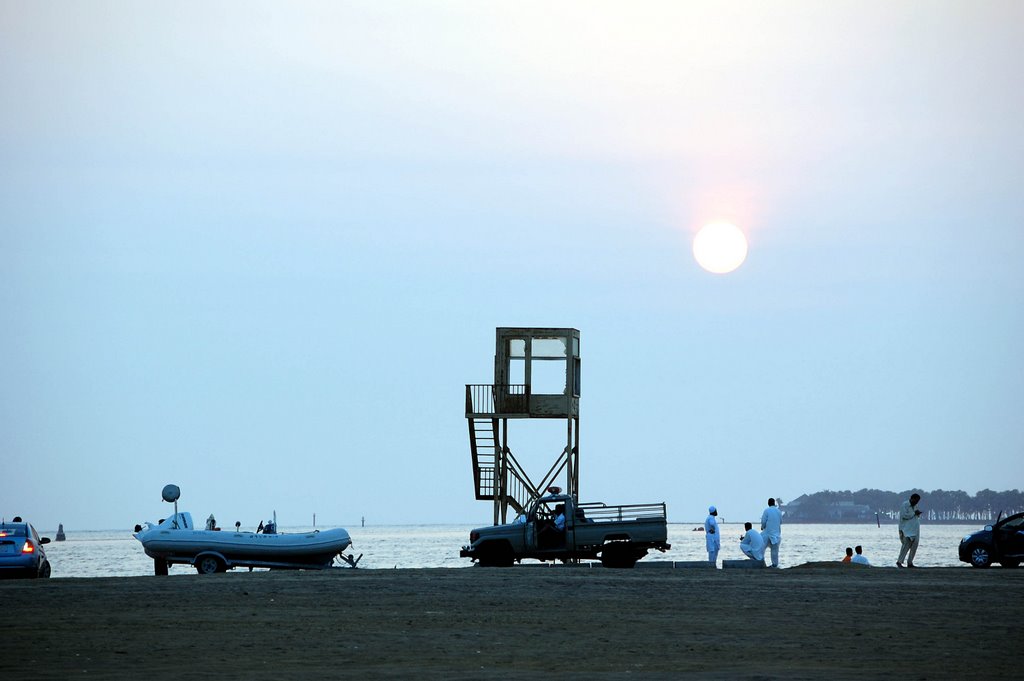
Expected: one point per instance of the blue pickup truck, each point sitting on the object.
(557, 528)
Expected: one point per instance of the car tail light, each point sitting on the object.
(28, 548)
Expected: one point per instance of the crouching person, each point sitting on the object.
(752, 543)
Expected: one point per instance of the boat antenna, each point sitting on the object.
(171, 494)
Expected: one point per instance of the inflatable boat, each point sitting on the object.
(176, 540)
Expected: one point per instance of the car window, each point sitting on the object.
(542, 511)
(12, 531)
(1014, 524)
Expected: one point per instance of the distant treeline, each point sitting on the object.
(936, 506)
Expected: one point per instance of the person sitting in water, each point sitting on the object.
(849, 555)
(752, 543)
(859, 558)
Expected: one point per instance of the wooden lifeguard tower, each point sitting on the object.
(536, 376)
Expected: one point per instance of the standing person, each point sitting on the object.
(752, 543)
(910, 530)
(859, 557)
(771, 529)
(712, 537)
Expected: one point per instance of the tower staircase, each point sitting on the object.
(497, 477)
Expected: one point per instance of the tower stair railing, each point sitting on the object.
(520, 491)
(515, 487)
(497, 400)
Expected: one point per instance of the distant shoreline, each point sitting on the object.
(886, 521)
(968, 523)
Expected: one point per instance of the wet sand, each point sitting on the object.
(803, 623)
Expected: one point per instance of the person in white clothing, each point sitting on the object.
(771, 529)
(752, 543)
(859, 557)
(910, 530)
(560, 517)
(712, 538)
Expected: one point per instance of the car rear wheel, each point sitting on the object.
(44, 570)
(207, 565)
(981, 557)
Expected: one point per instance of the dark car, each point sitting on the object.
(21, 551)
(1002, 542)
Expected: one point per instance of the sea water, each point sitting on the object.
(112, 553)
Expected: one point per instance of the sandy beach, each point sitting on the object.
(803, 623)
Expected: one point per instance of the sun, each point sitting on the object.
(720, 247)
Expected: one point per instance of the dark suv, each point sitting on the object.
(21, 551)
(1002, 542)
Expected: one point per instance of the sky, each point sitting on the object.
(258, 249)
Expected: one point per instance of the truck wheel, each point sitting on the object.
(620, 556)
(207, 565)
(496, 556)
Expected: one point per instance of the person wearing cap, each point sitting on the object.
(711, 536)
(771, 529)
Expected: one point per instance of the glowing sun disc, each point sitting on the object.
(720, 247)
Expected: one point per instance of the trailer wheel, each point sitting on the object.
(207, 565)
